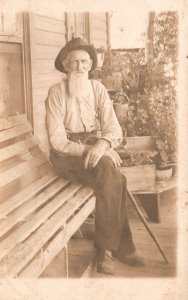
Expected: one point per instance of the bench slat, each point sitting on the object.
(21, 169)
(8, 134)
(42, 259)
(17, 148)
(35, 221)
(25, 252)
(12, 121)
(36, 209)
(30, 206)
(25, 194)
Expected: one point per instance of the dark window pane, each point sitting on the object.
(11, 80)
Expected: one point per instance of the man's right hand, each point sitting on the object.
(111, 153)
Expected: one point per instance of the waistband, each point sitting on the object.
(82, 137)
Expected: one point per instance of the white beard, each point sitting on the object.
(79, 86)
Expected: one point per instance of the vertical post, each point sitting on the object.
(89, 28)
(67, 26)
(67, 261)
(149, 45)
(27, 62)
(108, 29)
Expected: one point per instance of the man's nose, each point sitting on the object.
(79, 66)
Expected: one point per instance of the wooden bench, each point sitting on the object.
(39, 212)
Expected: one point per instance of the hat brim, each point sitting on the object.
(65, 50)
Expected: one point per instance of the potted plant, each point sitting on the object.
(163, 159)
(120, 105)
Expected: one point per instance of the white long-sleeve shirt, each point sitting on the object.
(65, 114)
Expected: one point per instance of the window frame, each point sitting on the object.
(23, 41)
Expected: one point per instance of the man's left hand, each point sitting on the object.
(114, 156)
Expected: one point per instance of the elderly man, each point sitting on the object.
(77, 109)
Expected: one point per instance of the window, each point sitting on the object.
(11, 80)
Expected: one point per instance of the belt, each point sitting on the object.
(82, 137)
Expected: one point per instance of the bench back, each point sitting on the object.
(35, 205)
(21, 161)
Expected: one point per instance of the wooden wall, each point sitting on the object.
(41, 37)
(47, 37)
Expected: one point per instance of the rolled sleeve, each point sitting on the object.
(55, 127)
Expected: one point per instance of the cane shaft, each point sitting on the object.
(146, 225)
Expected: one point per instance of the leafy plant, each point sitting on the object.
(136, 85)
(137, 159)
(163, 156)
(162, 100)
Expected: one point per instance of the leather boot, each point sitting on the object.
(132, 259)
(105, 262)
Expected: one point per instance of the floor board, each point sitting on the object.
(82, 253)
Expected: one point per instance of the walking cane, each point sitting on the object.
(146, 225)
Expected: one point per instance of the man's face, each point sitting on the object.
(78, 62)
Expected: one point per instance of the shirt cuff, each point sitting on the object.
(114, 142)
(106, 139)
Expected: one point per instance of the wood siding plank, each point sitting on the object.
(50, 24)
(44, 66)
(12, 121)
(50, 27)
(48, 52)
(46, 81)
(17, 148)
(21, 169)
(47, 36)
(14, 132)
(50, 38)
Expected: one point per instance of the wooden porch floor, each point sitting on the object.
(81, 250)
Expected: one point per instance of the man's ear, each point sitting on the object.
(90, 65)
(65, 64)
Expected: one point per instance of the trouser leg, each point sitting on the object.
(111, 222)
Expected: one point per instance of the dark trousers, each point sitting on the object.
(111, 221)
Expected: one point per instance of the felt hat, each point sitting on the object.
(75, 44)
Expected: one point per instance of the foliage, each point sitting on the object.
(150, 88)
(138, 121)
(106, 69)
(136, 85)
(137, 159)
(107, 66)
(162, 97)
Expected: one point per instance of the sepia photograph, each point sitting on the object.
(92, 184)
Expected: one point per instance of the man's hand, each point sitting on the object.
(114, 157)
(95, 152)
